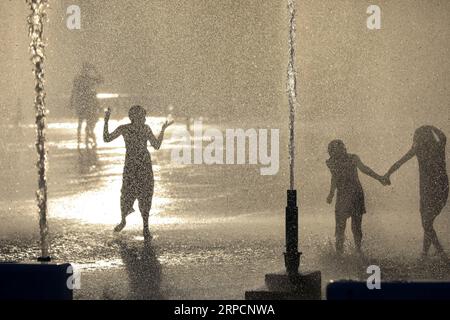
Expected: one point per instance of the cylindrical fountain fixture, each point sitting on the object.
(292, 256)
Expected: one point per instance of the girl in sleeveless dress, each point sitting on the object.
(429, 148)
(350, 195)
(138, 182)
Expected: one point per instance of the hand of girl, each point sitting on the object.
(330, 199)
(167, 124)
(385, 181)
(107, 114)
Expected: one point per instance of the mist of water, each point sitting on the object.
(36, 20)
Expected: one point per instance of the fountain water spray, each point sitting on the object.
(290, 284)
(36, 20)
(292, 256)
(292, 92)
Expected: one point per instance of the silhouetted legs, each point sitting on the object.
(91, 122)
(126, 204)
(126, 207)
(144, 208)
(90, 136)
(430, 236)
(357, 231)
(340, 232)
(86, 136)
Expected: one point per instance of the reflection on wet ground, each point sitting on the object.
(143, 269)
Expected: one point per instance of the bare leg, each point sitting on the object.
(94, 138)
(426, 244)
(90, 129)
(144, 207)
(126, 206)
(430, 236)
(88, 135)
(357, 231)
(340, 234)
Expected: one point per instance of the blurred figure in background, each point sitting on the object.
(429, 148)
(84, 102)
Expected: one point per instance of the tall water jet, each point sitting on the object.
(36, 20)
(292, 92)
(290, 284)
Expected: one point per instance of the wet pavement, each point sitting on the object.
(216, 229)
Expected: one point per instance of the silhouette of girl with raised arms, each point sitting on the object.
(138, 182)
(429, 148)
(350, 195)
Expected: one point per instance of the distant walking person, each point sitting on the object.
(84, 102)
(138, 179)
(350, 195)
(429, 148)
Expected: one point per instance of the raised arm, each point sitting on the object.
(408, 156)
(108, 137)
(156, 142)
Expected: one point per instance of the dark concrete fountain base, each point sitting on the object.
(281, 286)
(35, 281)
